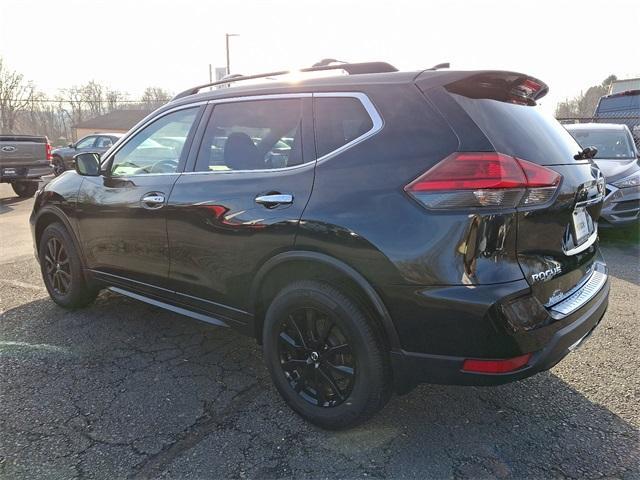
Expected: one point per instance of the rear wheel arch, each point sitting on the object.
(289, 267)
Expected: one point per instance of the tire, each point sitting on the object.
(299, 351)
(25, 189)
(57, 254)
(58, 166)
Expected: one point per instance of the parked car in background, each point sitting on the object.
(617, 159)
(62, 158)
(23, 160)
(622, 108)
(372, 231)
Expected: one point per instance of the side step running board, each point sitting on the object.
(172, 308)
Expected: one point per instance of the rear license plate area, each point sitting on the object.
(582, 225)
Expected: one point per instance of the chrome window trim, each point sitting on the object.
(376, 119)
(261, 170)
(368, 105)
(128, 136)
(268, 96)
(249, 98)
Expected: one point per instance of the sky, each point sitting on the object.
(131, 44)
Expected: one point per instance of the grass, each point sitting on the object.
(628, 235)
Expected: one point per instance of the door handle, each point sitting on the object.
(274, 199)
(153, 200)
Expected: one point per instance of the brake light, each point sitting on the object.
(48, 151)
(496, 366)
(484, 179)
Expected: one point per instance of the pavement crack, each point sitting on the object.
(195, 433)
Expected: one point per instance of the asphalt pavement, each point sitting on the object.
(125, 390)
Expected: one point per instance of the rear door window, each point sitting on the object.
(104, 142)
(253, 135)
(86, 142)
(521, 131)
(338, 121)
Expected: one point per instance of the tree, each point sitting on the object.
(154, 97)
(584, 105)
(15, 95)
(114, 99)
(93, 97)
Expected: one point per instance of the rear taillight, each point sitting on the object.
(48, 151)
(484, 179)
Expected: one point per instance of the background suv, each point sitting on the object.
(622, 108)
(372, 230)
(62, 158)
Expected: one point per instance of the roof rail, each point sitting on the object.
(440, 66)
(350, 68)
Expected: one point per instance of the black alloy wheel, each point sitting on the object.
(57, 266)
(325, 355)
(61, 268)
(316, 357)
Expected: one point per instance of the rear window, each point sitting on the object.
(622, 102)
(521, 131)
(338, 121)
(610, 143)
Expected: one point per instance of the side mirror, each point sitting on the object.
(87, 164)
(71, 145)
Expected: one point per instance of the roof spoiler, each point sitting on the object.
(503, 86)
(499, 85)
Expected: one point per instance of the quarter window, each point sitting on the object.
(253, 135)
(338, 121)
(157, 148)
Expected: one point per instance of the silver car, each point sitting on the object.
(618, 159)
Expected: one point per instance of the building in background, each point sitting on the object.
(118, 121)
(625, 85)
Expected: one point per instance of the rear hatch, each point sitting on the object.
(22, 151)
(557, 239)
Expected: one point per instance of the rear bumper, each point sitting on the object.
(411, 368)
(24, 172)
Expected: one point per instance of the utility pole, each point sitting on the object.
(227, 35)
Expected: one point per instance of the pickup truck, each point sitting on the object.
(23, 160)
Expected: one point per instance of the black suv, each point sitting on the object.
(372, 231)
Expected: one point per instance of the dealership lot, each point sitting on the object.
(123, 389)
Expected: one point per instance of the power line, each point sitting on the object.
(62, 100)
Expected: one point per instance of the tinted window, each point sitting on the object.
(86, 142)
(610, 143)
(146, 151)
(623, 102)
(338, 121)
(254, 135)
(521, 131)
